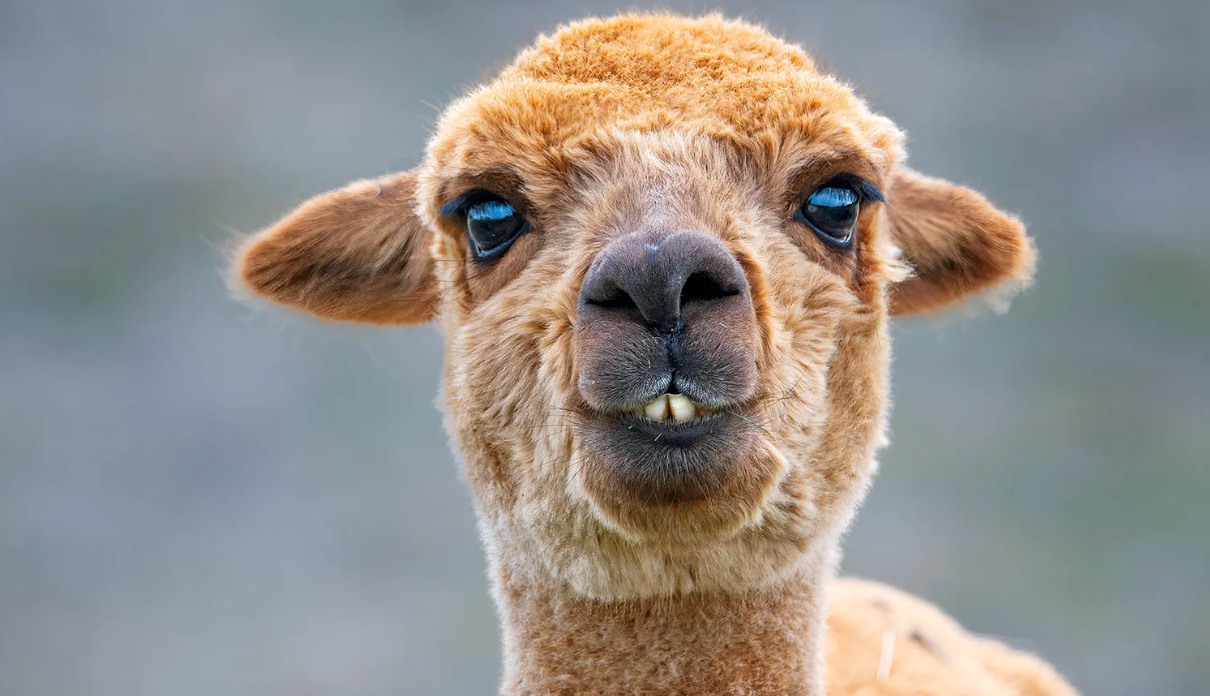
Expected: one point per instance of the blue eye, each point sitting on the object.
(831, 212)
(833, 197)
(493, 226)
(490, 210)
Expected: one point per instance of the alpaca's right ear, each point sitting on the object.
(359, 253)
(956, 242)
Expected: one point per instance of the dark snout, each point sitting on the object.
(666, 314)
(666, 339)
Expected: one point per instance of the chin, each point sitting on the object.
(757, 533)
(663, 508)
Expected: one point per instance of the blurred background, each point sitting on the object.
(198, 498)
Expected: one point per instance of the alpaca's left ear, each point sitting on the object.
(956, 242)
(359, 253)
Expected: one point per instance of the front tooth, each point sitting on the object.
(657, 407)
(683, 410)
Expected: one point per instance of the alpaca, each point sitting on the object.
(664, 253)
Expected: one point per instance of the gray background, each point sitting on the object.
(199, 498)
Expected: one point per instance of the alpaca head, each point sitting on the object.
(664, 253)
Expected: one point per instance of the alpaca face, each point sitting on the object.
(652, 317)
(661, 252)
(654, 351)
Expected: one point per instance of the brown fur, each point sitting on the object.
(920, 651)
(356, 254)
(957, 244)
(654, 123)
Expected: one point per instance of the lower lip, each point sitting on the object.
(671, 433)
(634, 461)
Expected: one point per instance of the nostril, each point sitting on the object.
(655, 283)
(613, 299)
(701, 287)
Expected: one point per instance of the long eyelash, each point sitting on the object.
(868, 192)
(457, 206)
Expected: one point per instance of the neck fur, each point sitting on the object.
(766, 641)
(759, 643)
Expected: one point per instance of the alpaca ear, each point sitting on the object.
(359, 253)
(956, 242)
